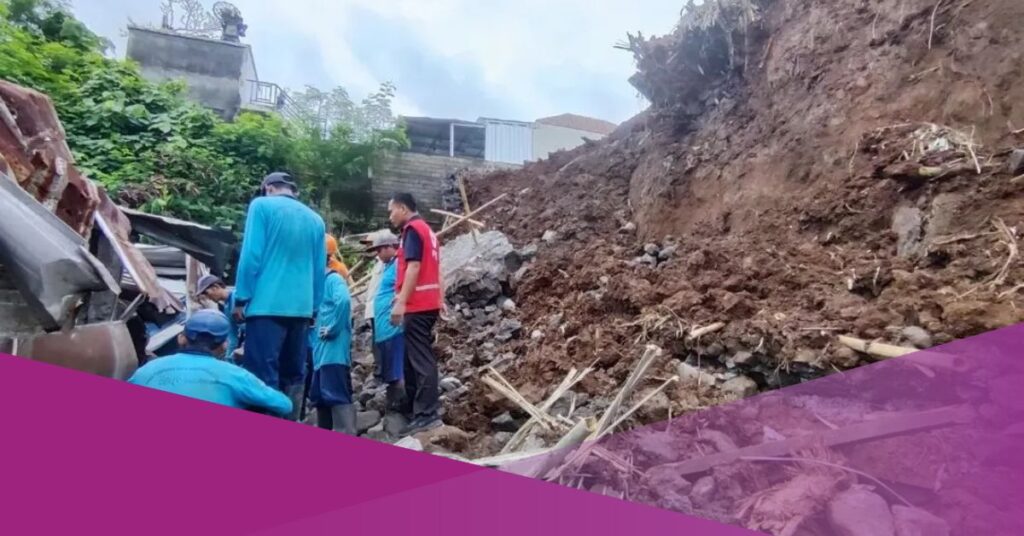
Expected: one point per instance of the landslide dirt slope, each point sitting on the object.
(779, 159)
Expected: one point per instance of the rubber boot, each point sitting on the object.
(324, 421)
(345, 419)
(295, 394)
(395, 396)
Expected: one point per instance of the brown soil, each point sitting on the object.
(777, 178)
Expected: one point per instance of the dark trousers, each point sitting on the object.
(422, 389)
(275, 350)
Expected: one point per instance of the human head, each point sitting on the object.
(401, 209)
(206, 331)
(331, 244)
(213, 288)
(279, 183)
(385, 245)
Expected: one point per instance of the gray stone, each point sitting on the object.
(860, 512)
(605, 280)
(629, 227)
(1015, 164)
(537, 335)
(366, 420)
(410, 443)
(550, 236)
(502, 438)
(508, 329)
(703, 491)
(917, 522)
(504, 423)
(906, 224)
(648, 260)
(377, 433)
(393, 424)
(450, 384)
(475, 271)
(529, 252)
(691, 374)
(743, 358)
(490, 309)
(652, 250)
(740, 387)
(918, 337)
(507, 305)
(667, 253)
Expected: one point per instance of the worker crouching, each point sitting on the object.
(331, 389)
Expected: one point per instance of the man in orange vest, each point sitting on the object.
(419, 301)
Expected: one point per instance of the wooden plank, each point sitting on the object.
(447, 214)
(874, 429)
(469, 216)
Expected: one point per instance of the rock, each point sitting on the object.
(508, 329)
(918, 337)
(652, 250)
(917, 522)
(490, 309)
(743, 358)
(366, 420)
(658, 447)
(529, 252)
(446, 437)
(475, 271)
(649, 260)
(860, 512)
(537, 335)
(507, 305)
(410, 443)
(667, 253)
(393, 424)
(450, 384)
(377, 433)
(629, 227)
(845, 357)
(605, 280)
(502, 438)
(550, 237)
(670, 485)
(1015, 164)
(703, 491)
(740, 387)
(691, 374)
(770, 435)
(906, 224)
(504, 423)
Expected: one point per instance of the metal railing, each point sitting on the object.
(272, 96)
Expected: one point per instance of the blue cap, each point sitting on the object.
(208, 322)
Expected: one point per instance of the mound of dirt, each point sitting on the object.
(807, 170)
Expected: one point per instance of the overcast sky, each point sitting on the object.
(511, 59)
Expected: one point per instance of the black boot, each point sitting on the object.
(324, 420)
(345, 419)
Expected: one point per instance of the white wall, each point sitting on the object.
(548, 139)
(508, 142)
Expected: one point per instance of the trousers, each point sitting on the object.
(275, 350)
(422, 380)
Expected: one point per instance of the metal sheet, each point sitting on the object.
(47, 262)
(210, 246)
(103, 349)
(508, 142)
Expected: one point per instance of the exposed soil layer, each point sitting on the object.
(821, 180)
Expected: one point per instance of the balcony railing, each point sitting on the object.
(268, 95)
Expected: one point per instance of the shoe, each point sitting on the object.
(422, 424)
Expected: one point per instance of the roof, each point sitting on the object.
(580, 122)
(172, 33)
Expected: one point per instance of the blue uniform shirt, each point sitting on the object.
(336, 317)
(206, 378)
(237, 331)
(383, 302)
(281, 267)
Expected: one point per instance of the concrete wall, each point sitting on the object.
(212, 69)
(548, 139)
(421, 175)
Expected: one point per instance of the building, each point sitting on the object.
(566, 131)
(220, 73)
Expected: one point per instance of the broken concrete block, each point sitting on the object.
(1015, 164)
(504, 423)
(860, 512)
(410, 443)
(550, 236)
(917, 522)
(507, 305)
(366, 420)
(690, 374)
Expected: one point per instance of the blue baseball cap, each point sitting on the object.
(208, 322)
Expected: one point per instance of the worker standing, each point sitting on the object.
(331, 388)
(417, 307)
(197, 372)
(371, 290)
(280, 284)
(388, 339)
(213, 289)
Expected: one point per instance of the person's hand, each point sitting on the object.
(239, 313)
(397, 314)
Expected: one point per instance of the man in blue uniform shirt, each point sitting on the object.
(213, 288)
(280, 285)
(331, 388)
(197, 371)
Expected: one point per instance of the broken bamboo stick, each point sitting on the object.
(497, 382)
(568, 383)
(642, 403)
(469, 216)
(867, 430)
(883, 351)
(465, 202)
(706, 330)
(457, 216)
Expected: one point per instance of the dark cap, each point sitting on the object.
(206, 282)
(278, 179)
